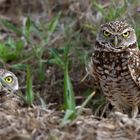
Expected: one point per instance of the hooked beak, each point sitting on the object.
(115, 41)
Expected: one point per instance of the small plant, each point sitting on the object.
(62, 60)
(69, 99)
(14, 49)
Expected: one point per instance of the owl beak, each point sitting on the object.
(115, 41)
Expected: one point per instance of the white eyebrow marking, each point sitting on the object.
(128, 29)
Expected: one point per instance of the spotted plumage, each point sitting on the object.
(115, 66)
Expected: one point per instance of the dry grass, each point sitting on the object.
(44, 124)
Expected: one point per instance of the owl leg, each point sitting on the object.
(135, 111)
(132, 112)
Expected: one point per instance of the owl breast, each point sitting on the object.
(111, 69)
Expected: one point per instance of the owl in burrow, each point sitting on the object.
(115, 66)
(8, 86)
(8, 80)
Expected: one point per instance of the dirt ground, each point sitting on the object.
(36, 123)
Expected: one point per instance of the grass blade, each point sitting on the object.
(29, 98)
(57, 59)
(68, 92)
(69, 99)
(85, 103)
(11, 26)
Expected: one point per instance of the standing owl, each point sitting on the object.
(115, 66)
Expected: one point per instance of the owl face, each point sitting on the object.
(117, 35)
(8, 80)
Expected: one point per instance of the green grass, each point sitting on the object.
(69, 97)
(29, 97)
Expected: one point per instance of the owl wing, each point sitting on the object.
(91, 70)
(134, 66)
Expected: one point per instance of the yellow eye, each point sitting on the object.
(8, 79)
(126, 34)
(106, 33)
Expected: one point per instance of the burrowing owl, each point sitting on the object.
(115, 65)
(8, 80)
(8, 85)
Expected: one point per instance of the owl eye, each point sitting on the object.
(8, 79)
(126, 34)
(106, 33)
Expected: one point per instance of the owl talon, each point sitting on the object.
(135, 111)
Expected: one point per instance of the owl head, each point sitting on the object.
(8, 80)
(117, 35)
